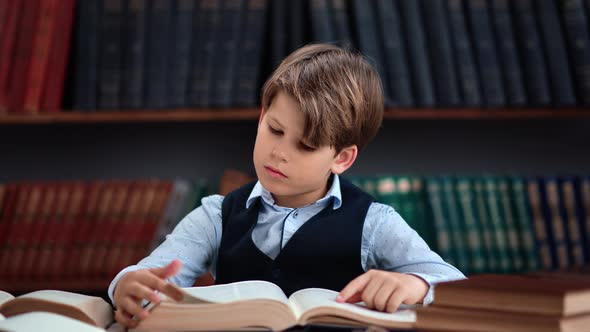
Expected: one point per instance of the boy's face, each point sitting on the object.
(295, 173)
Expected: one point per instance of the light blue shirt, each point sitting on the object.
(388, 242)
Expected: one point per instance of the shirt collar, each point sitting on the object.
(260, 192)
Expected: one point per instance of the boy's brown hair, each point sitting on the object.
(337, 90)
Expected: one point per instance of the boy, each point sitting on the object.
(300, 225)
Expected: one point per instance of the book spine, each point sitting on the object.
(573, 220)
(299, 27)
(468, 77)
(541, 238)
(7, 45)
(40, 55)
(27, 28)
(24, 227)
(158, 45)
(441, 53)
(66, 243)
(251, 47)
(531, 53)
(555, 223)
(341, 16)
(499, 227)
(109, 87)
(558, 65)
(441, 225)
(395, 53)
(583, 195)
(52, 257)
(179, 61)
(89, 227)
(134, 54)
(46, 212)
(110, 224)
(525, 225)
(575, 21)
(278, 32)
(227, 53)
(89, 15)
(420, 66)
(9, 258)
(515, 248)
(486, 51)
(35, 230)
(508, 53)
(487, 231)
(475, 242)
(456, 225)
(55, 81)
(370, 42)
(211, 10)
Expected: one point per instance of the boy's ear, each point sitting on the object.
(344, 159)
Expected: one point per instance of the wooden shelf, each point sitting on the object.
(74, 285)
(237, 114)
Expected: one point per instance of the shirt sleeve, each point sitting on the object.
(390, 244)
(194, 241)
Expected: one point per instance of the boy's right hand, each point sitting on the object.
(136, 286)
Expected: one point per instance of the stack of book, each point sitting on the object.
(490, 303)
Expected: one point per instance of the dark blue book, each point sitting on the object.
(370, 41)
(298, 26)
(575, 21)
(199, 32)
(251, 47)
(134, 53)
(532, 53)
(159, 44)
(420, 67)
(279, 43)
(469, 85)
(88, 15)
(111, 55)
(341, 23)
(508, 53)
(436, 21)
(558, 65)
(487, 56)
(582, 196)
(556, 226)
(180, 54)
(321, 22)
(574, 219)
(396, 63)
(226, 53)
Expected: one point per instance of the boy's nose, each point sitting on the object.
(279, 153)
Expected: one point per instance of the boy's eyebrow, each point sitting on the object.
(270, 117)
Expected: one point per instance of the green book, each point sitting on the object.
(474, 236)
(524, 224)
(441, 226)
(485, 226)
(498, 226)
(514, 243)
(456, 227)
(423, 215)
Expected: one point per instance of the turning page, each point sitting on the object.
(237, 291)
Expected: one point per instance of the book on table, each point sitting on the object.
(261, 304)
(91, 310)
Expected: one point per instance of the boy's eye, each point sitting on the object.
(274, 131)
(307, 147)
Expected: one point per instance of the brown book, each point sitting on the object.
(441, 318)
(262, 305)
(516, 293)
(88, 309)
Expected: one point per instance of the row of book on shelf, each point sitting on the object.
(480, 224)
(158, 54)
(103, 226)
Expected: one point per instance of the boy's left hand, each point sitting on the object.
(383, 290)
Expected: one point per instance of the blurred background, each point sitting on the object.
(116, 116)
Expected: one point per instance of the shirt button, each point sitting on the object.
(295, 214)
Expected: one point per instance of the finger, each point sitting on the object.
(124, 318)
(370, 292)
(167, 271)
(133, 307)
(163, 286)
(351, 293)
(395, 300)
(382, 297)
(143, 292)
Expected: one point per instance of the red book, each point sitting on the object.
(15, 227)
(87, 228)
(29, 228)
(50, 255)
(40, 235)
(23, 51)
(7, 45)
(58, 58)
(150, 223)
(67, 238)
(40, 50)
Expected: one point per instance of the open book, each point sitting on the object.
(261, 304)
(44, 321)
(88, 309)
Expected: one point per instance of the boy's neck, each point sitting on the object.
(298, 201)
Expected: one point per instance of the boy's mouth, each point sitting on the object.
(275, 173)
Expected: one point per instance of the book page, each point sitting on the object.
(5, 297)
(42, 321)
(237, 291)
(323, 302)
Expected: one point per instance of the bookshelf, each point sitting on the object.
(246, 114)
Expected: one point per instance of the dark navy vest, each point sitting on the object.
(324, 252)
